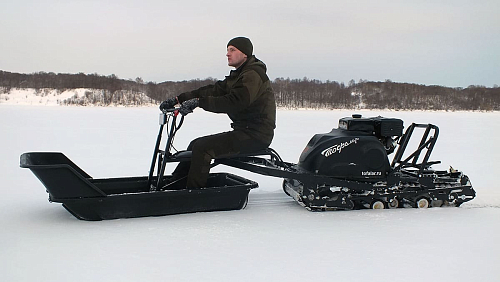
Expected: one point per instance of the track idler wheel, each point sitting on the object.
(393, 203)
(422, 203)
(377, 205)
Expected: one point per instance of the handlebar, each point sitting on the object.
(171, 110)
(168, 117)
(165, 113)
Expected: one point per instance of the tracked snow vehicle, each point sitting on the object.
(356, 153)
(347, 168)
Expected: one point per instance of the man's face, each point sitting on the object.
(235, 58)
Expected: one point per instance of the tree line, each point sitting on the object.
(290, 93)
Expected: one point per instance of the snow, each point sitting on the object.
(273, 239)
(42, 97)
(54, 97)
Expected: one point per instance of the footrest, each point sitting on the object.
(186, 155)
(182, 155)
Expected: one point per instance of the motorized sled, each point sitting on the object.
(347, 168)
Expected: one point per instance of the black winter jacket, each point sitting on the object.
(246, 96)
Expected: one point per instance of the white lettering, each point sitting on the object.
(371, 173)
(337, 148)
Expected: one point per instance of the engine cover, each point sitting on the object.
(346, 154)
(378, 126)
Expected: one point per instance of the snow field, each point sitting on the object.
(273, 239)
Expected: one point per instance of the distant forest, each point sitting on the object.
(290, 93)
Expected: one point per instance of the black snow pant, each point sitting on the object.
(206, 148)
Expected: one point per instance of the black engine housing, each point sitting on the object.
(357, 149)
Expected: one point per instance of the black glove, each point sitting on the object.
(188, 106)
(168, 104)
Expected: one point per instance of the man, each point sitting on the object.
(246, 96)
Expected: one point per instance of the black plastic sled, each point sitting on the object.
(154, 195)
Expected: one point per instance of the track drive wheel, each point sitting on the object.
(454, 200)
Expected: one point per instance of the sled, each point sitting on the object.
(154, 195)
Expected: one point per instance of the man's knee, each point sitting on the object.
(203, 150)
(192, 143)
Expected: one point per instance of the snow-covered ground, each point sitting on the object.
(78, 96)
(42, 97)
(273, 239)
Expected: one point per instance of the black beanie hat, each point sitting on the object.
(243, 44)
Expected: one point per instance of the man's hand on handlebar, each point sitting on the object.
(188, 106)
(168, 104)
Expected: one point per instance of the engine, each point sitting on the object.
(357, 149)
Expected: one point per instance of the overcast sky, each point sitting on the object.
(452, 43)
